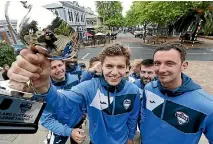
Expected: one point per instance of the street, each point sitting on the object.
(198, 70)
(142, 51)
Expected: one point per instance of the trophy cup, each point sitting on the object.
(20, 109)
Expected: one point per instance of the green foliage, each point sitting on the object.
(7, 55)
(102, 29)
(208, 27)
(64, 29)
(26, 28)
(111, 11)
(160, 12)
(55, 23)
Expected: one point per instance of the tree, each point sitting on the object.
(55, 23)
(26, 28)
(165, 13)
(111, 11)
(208, 27)
(7, 54)
(64, 29)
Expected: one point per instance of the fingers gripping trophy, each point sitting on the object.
(46, 35)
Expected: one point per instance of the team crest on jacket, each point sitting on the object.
(182, 118)
(127, 103)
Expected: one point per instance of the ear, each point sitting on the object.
(184, 65)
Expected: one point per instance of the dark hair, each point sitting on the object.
(115, 50)
(94, 59)
(178, 47)
(147, 62)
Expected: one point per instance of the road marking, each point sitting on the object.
(85, 56)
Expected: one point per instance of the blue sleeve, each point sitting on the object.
(63, 98)
(48, 121)
(209, 128)
(86, 76)
(133, 117)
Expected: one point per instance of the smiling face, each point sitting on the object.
(57, 70)
(147, 74)
(114, 69)
(168, 67)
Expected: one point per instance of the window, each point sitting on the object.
(70, 15)
(82, 17)
(76, 16)
(8, 33)
(56, 13)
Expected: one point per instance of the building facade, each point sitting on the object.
(70, 12)
(5, 34)
(92, 20)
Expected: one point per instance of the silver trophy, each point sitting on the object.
(20, 107)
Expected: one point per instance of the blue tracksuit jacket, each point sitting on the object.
(60, 121)
(76, 71)
(112, 110)
(135, 76)
(88, 76)
(177, 116)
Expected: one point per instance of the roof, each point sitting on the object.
(91, 16)
(53, 5)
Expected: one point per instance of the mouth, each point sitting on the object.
(60, 74)
(162, 76)
(113, 78)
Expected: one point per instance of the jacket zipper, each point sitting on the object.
(113, 110)
(163, 108)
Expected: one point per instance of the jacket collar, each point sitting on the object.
(110, 88)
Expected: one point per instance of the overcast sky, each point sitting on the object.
(40, 14)
(86, 3)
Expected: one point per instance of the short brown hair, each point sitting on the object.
(176, 46)
(115, 50)
(93, 59)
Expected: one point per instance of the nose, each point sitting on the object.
(162, 68)
(58, 68)
(146, 75)
(114, 71)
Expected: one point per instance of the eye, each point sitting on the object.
(53, 67)
(156, 63)
(121, 67)
(60, 65)
(170, 63)
(109, 66)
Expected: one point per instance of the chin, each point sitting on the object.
(114, 83)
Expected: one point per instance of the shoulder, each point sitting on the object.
(151, 86)
(131, 86)
(131, 79)
(137, 82)
(72, 77)
(204, 99)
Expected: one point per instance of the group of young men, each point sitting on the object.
(168, 106)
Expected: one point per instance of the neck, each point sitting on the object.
(173, 84)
